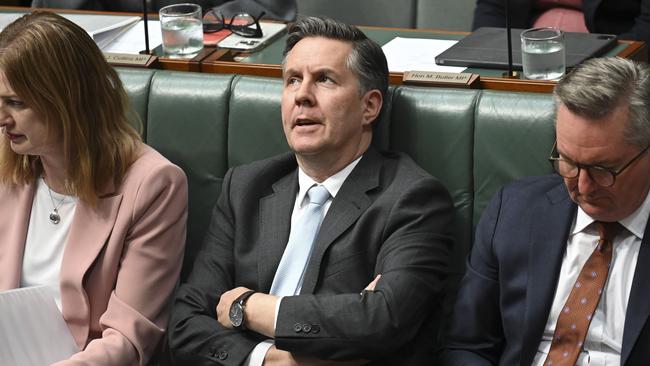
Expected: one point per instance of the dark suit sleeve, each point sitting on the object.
(491, 13)
(475, 335)
(641, 28)
(195, 336)
(412, 261)
(275, 9)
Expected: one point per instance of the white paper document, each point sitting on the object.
(32, 329)
(417, 54)
(132, 41)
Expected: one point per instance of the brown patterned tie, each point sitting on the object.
(573, 322)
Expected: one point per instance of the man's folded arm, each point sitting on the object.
(413, 265)
(195, 335)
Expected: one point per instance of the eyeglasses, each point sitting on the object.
(242, 24)
(602, 176)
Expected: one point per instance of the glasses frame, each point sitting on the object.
(240, 30)
(555, 157)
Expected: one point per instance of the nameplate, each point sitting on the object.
(127, 59)
(448, 79)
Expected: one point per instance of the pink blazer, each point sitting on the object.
(121, 261)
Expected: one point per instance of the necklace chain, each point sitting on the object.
(55, 218)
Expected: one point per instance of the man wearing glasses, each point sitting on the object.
(332, 252)
(560, 270)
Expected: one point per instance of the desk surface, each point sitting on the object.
(267, 61)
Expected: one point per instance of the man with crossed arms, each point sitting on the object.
(560, 270)
(261, 291)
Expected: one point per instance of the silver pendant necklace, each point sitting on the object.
(55, 218)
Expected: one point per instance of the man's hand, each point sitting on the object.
(276, 357)
(371, 286)
(259, 311)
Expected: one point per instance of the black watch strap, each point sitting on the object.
(244, 297)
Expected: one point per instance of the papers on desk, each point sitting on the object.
(102, 28)
(32, 329)
(132, 41)
(416, 54)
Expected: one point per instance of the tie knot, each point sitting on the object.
(608, 230)
(318, 194)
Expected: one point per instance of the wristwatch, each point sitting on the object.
(237, 310)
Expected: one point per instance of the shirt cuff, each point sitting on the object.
(277, 311)
(256, 357)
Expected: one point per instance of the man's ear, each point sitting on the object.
(373, 101)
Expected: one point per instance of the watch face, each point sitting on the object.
(236, 315)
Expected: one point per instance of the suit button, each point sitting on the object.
(315, 329)
(306, 327)
(222, 355)
(297, 327)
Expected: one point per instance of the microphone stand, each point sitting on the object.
(511, 74)
(146, 28)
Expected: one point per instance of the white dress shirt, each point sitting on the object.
(333, 185)
(602, 345)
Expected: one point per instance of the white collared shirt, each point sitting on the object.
(604, 339)
(333, 185)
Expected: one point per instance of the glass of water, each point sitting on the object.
(542, 53)
(182, 29)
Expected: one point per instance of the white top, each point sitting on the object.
(605, 336)
(333, 185)
(46, 241)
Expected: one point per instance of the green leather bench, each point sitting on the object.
(474, 141)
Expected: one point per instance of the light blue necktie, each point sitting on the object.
(289, 275)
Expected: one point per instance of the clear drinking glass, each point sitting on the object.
(542, 53)
(182, 29)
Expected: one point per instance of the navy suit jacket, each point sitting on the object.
(390, 217)
(512, 273)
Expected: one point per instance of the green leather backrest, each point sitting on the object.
(436, 128)
(474, 141)
(137, 85)
(255, 129)
(514, 135)
(188, 123)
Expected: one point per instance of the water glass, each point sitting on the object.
(182, 29)
(542, 53)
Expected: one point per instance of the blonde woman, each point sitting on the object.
(86, 207)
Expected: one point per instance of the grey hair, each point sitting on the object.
(595, 88)
(366, 60)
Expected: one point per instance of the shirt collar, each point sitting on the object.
(635, 223)
(332, 184)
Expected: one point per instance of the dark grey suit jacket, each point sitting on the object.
(508, 289)
(389, 218)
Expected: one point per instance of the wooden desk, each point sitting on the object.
(267, 61)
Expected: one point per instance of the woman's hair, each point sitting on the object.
(56, 69)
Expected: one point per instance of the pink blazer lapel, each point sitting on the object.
(89, 233)
(15, 208)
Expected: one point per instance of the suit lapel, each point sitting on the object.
(89, 233)
(275, 216)
(549, 236)
(350, 202)
(638, 307)
(15, 210)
